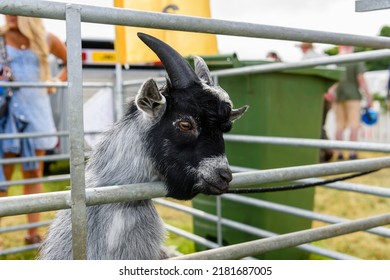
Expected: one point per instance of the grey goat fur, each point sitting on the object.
(172, 134)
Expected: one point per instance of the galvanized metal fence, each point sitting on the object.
(79, 198)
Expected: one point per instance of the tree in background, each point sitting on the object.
(382, 64)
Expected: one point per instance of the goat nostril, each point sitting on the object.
(226, 174)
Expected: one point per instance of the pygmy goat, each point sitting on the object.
(174, 135)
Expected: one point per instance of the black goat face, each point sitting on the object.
(188, 121)
(187, 144)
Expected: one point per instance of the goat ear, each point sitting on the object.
(237, 113)
(149, 99)
(202, 71)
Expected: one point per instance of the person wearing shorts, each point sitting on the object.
(347, 94)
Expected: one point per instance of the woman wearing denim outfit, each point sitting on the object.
(28, 46)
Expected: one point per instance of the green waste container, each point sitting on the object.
(286, 104)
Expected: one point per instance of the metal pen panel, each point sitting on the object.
(76, 200)
(245, 228)
(76, 130)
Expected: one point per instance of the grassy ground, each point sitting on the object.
(353, 206)
(339, 203)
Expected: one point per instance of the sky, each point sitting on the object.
(325, 15)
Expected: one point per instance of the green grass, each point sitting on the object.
(338, 203)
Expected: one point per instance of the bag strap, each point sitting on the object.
(5, 61)
(3, 50)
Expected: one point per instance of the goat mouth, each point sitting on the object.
(213, 188)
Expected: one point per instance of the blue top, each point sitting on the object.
(32, 104)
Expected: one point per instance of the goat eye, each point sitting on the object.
(185, 126)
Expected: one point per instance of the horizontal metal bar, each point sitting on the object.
(313, 143)
(53, 84)
(24, 204)
(140, 82)
(371, 5)
(97, 84)
(60, 200)
(40, 158)
(39, 135)
(25, 226)
(32, 135)
(49, 179)
(308, 171)
(273, 67)
(287, 240)
(32, 159)
(345, 186)
(20, 249)
(126, 17)
(249, 229)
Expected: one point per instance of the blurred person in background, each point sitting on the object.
(28, 46)
(347, 97)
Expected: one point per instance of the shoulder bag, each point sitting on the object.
(5, 75)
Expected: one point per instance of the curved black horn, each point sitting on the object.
(179, 71)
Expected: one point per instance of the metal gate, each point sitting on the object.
(79, 198)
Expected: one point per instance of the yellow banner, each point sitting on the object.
(131, 50)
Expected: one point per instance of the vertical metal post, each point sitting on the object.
(76, 131)
(219, 221)
(118, 96)
(218, 201)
